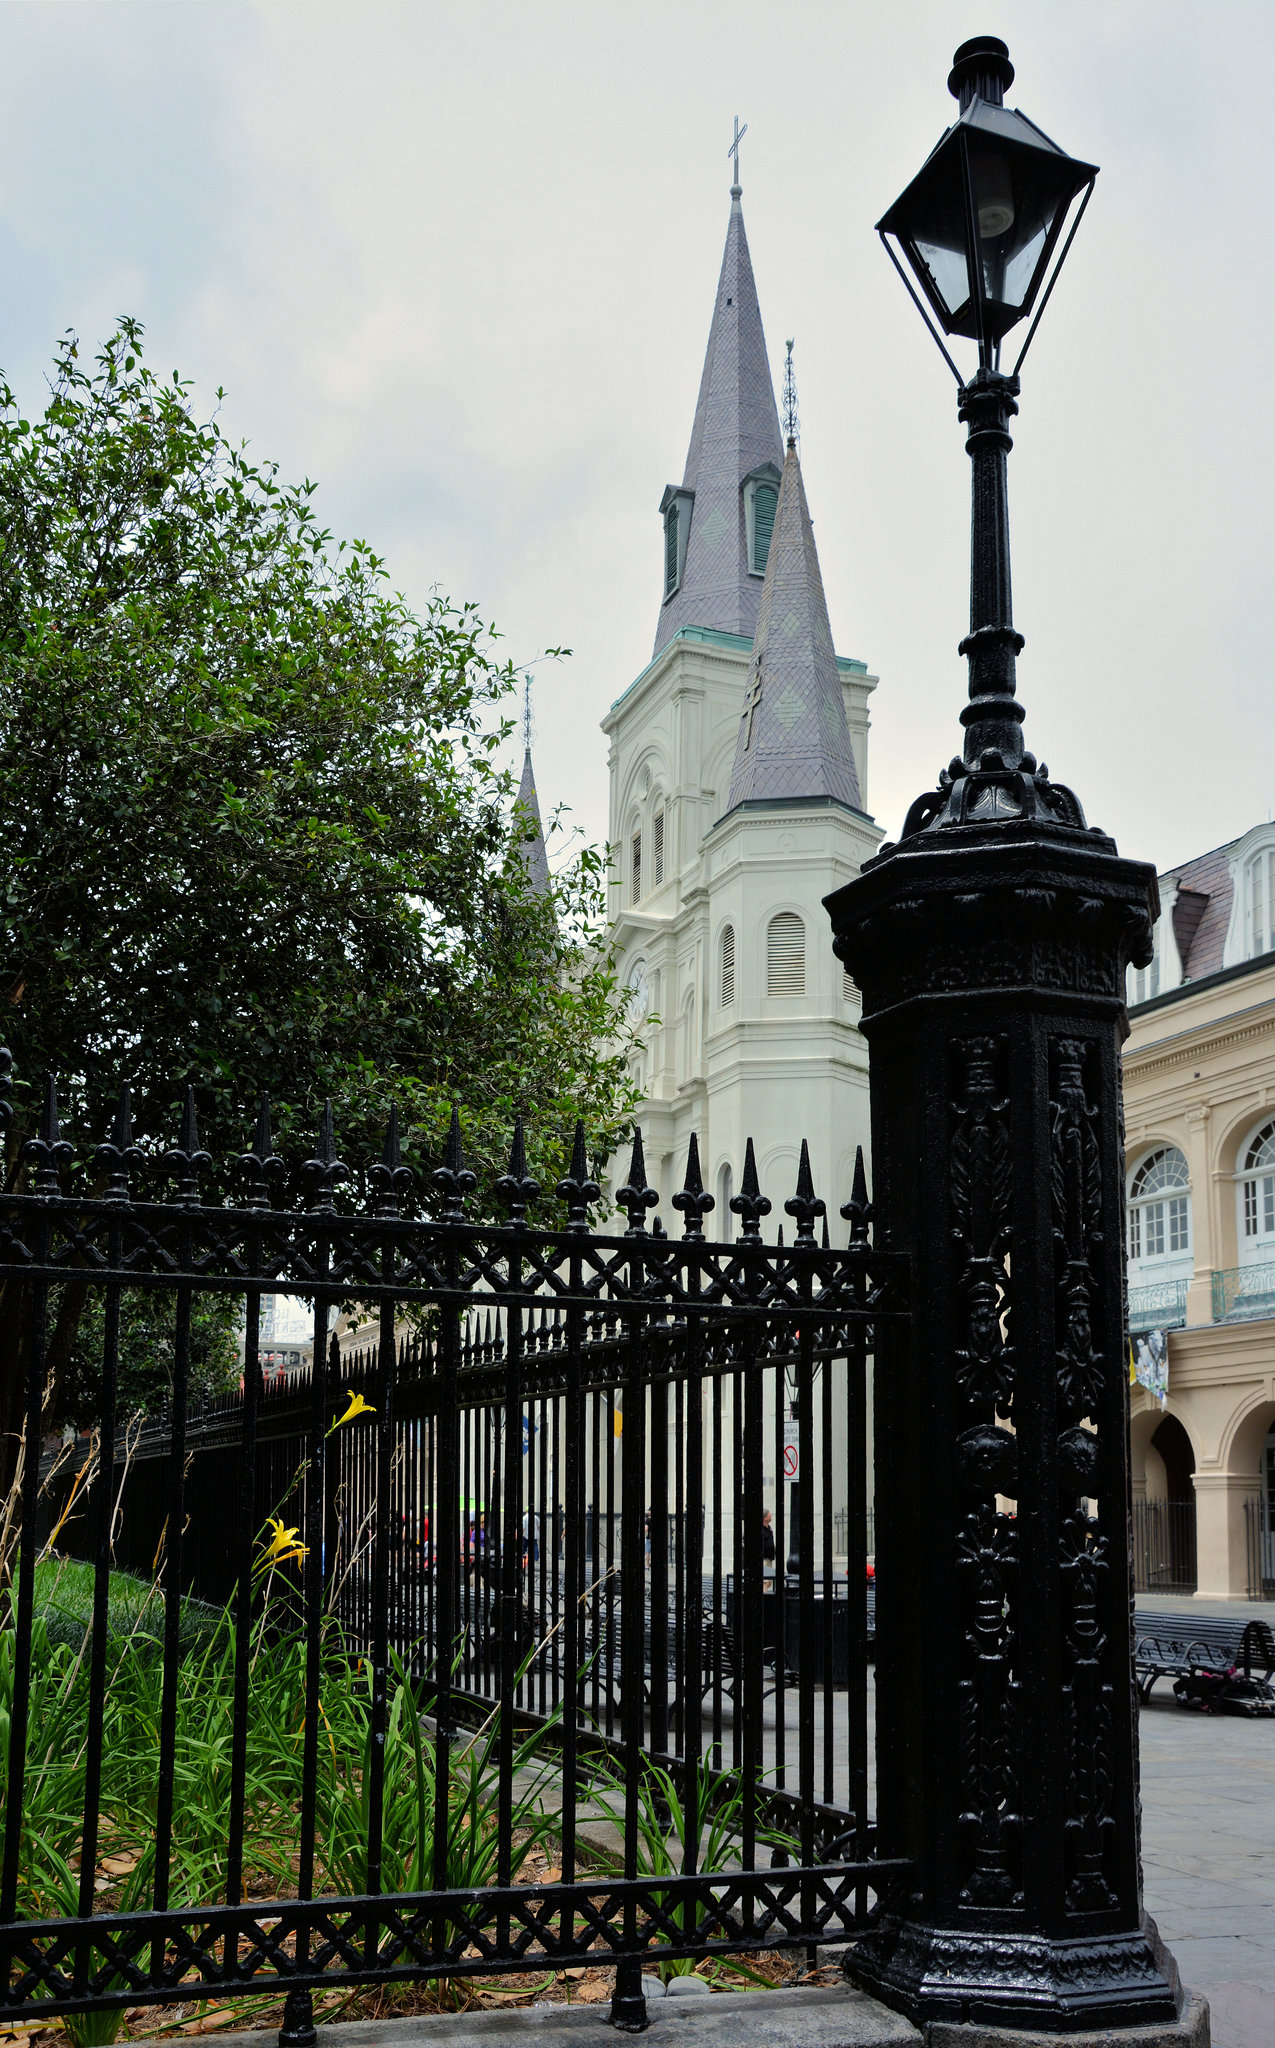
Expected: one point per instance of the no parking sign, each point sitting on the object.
(792, 1450)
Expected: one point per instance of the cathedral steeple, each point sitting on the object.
(714, 549)
(793, 737)
(529, 843)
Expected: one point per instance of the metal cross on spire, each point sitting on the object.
(792, 425)
(740, 133)
(528, 728)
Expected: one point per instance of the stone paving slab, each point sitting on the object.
(812, 2018)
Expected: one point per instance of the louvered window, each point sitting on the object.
(786, 955)
(728, 965)
(849, 987)
(637, 867)
(764, 504)
(670, 550)
(657, 847)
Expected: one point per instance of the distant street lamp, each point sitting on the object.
(990, 947)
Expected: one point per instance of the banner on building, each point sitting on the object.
(1149, 1363)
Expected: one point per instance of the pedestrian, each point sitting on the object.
(767, 1549)
(648, 1539)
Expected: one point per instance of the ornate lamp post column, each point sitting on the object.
(990, 945)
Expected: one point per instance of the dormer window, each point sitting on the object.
(1259, 903)
(761, 502)
(675, 510)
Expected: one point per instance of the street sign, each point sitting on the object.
(792, 1450)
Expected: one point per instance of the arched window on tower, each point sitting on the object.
(1160, 1209)
(786, 955)
(727, 978)
(1257, 1198)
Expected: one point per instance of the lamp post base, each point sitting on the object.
(969, 1988)
(1191, 2031)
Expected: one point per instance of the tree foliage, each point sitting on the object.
(256, 832)
(257, 837)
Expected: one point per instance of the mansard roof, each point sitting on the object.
(793, 737)
(736, 431)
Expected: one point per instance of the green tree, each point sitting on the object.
(256, 834)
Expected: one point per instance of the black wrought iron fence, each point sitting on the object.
(1164, 1546)
(1259, 1535)
(468, 1667)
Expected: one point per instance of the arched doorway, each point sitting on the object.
(1164, 1550)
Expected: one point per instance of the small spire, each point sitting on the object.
(806, 1206)
(736, 189)
(793, 737)
(577, 1189)
(529, 834)
(792, 425)
(637, 1196)
(750, 1203)
(692, 1200)
(516, 1188)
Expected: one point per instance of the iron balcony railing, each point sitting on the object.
(1160, 1306)
(1243, 1293)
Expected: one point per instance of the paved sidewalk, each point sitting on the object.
(1208, 1849)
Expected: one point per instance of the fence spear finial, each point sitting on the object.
(691, 1198)
(188, 1161)
(453, 1178)
(637, 1195)
(806, 1206)
(390, 1179)
(50, 1151)
(858, 1210)
(324, 1170)
(516, 1188)
(262, 1165)
(577, 1189)
(750, 1203)
(119, 1154)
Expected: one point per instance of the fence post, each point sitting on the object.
(990, 947)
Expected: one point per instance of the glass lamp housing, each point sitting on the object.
(981, 219)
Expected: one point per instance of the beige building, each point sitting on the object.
(1199, 1079)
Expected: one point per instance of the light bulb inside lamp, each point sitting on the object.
(994, 196)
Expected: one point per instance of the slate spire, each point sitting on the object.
(531, 842)
(736, 432)
(793, 737)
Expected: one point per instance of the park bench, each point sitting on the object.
(1199, 1653)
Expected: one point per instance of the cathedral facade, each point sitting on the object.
(738, 800)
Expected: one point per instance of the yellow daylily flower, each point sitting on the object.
(358, 1406)
(284, 1547)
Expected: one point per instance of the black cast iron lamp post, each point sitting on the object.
(990, 946)
(979, 226)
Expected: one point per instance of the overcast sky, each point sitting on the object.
(457, 262)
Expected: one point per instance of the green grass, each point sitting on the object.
(135, 1608)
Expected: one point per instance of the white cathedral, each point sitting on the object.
(738, 776)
